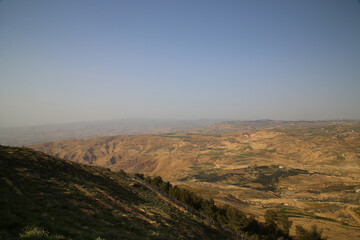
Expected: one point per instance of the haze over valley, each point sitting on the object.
(21, 136)
(207, 119)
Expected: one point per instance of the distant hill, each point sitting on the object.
(309, 171)
(175, 155)
(234, 126)
(84, 202)
(21, 136)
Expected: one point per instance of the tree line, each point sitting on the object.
(275, 226)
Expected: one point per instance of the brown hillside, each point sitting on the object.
(309, 173)
(83, 202)
(334, 149)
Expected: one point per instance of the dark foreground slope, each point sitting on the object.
(83, 202)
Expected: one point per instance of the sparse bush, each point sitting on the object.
(148, 179)
(165, 186)
(140, 175)
(277, 224)
(157, 181)
(313, 234)
(37, 233)
(226, 215)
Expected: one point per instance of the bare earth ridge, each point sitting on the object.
(310, 173)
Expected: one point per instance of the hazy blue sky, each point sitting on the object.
(65, 60)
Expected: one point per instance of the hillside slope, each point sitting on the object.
(84, 202)
(309, 173)
(334, 148)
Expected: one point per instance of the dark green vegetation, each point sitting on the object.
(267, 176)
(357, 211)
(171, 135)
(294, 213)
(36, 233)
(82, 202)
(276, 225)
(313, 234)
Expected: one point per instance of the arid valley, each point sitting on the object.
(307, 171)
(179, 120)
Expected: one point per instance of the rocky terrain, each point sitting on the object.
(311, 173)
(44, 195)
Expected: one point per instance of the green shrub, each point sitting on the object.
(313, 234)
(277, 223)
(140, 175)
(37, 233)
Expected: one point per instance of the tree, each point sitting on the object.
(313, 234)
(237, 219)
(270, 217)
(157, 181)
(165, 186)
(277, 224)
(140, 175)
(148, 179)
(284, 224)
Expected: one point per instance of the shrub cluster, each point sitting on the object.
(276, 225)
(39, 233)
(313, 234)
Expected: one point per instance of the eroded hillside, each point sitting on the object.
(334, 149)
(82, 202)
(311, 173)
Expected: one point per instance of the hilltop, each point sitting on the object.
(85, 202)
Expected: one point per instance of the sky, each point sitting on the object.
(87, 60)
